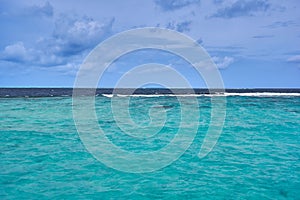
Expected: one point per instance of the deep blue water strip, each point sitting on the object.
(58, 92)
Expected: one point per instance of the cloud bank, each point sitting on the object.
(242, 8)
(170, 5)
(72, 36)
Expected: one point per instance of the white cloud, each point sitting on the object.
(16, 49)
(73, 36)
(71, 39)
(224, 62)
(18, 53)
(15, 52)
(294, 59)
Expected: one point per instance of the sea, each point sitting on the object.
(256, 155)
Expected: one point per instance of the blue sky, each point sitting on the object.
(254, 43)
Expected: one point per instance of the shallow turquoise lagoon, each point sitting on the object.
(256, 157)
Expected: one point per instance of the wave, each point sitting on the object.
(108, 95)
(262, 94)
(151, 95)
(256, 94)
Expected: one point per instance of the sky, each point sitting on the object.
(254, 43)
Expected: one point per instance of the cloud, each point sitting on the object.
(200, 41)
(262, 36)
(41, 10)
(294, 59)
(69, 69)
(223, 63)
(73, 36)
(14, 52)
(169, 5)
(71, 39)
(281, 24)
(243, 8)
(18, 53)
(184, 26)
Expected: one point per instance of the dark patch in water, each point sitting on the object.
(283, 192)
(292, 111)
(107, 122)
(165, 107)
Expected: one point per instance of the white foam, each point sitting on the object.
(152, 95)
(108, 95)
(140, 95)
(261, 94)
(250, 94)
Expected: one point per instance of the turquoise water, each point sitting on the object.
(257, 155)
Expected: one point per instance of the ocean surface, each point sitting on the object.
(257, 155)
